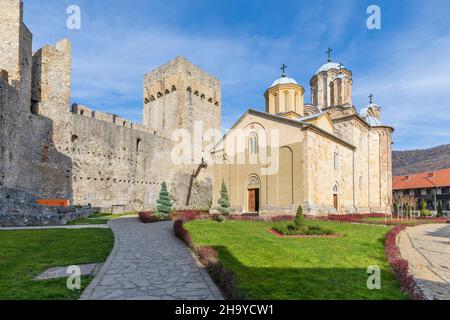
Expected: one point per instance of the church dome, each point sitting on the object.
(329, 66)
(283, 80)
(368, 115)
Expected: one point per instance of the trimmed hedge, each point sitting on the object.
(400, 266)
(209, 257)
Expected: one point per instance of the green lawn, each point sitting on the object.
(25, 254)
(100, 218)
(268, 267)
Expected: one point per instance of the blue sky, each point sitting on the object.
(406, 64)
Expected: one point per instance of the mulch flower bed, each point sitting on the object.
(280, 235)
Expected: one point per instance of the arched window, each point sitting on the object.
(336, 160)
(138, 144)
(275, 103)
(295, 100)
(336, 188)
(253, 143)
(286, 101)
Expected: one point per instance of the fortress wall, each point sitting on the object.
(29, 159)
(120, 166)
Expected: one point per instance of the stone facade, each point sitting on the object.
(331, 159)
(50, 149)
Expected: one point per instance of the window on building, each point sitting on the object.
(417, 192)
(138, 144)
(74, 139)
(336, 160)
(428, 191)
(445, 190)
(286, 101)
(295, 100)
(253, 143)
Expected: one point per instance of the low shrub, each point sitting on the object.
(209, 257)
(181, 232)
(294, 230)
(219, 218)
(400, 266)
(149, 217)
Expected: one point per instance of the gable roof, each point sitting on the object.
(436, 179)
(296, 123)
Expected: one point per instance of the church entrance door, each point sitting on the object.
(253, 200)
(336, 202)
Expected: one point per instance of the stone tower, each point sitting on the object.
(15, 48)
(179, 94)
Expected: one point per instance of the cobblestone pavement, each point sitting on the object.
(427, 249)
(149, 263)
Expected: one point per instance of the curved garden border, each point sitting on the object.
(400, 266)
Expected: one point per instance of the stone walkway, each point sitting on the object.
(149, 263)
(427, 249)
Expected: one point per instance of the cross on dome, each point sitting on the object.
(283, 69)
(329, 51)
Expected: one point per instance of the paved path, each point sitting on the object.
(149, 263)
(90, 226)
(427, 249)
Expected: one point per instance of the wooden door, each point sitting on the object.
(335, 198)
(252, 200)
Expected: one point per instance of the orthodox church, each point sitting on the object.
(325, 155)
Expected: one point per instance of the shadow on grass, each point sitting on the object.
(269, 283)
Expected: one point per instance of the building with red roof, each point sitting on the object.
(433, 187)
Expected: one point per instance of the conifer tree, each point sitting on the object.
(224, 201)
(164, 204)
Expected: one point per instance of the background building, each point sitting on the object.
(433, 187)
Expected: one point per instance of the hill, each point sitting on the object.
(417, 161)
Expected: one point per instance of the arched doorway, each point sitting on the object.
(253, 194)
(336, 197)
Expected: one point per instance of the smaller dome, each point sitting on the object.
(372, 105)
(366, 114)
(283, 80)
(329, 66)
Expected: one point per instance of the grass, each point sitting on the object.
(25, 254)
(268, 267)
(100, 218)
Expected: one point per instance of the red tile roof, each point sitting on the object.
(440, 178)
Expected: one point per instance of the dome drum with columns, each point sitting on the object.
(285, 97)
(331, 91)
